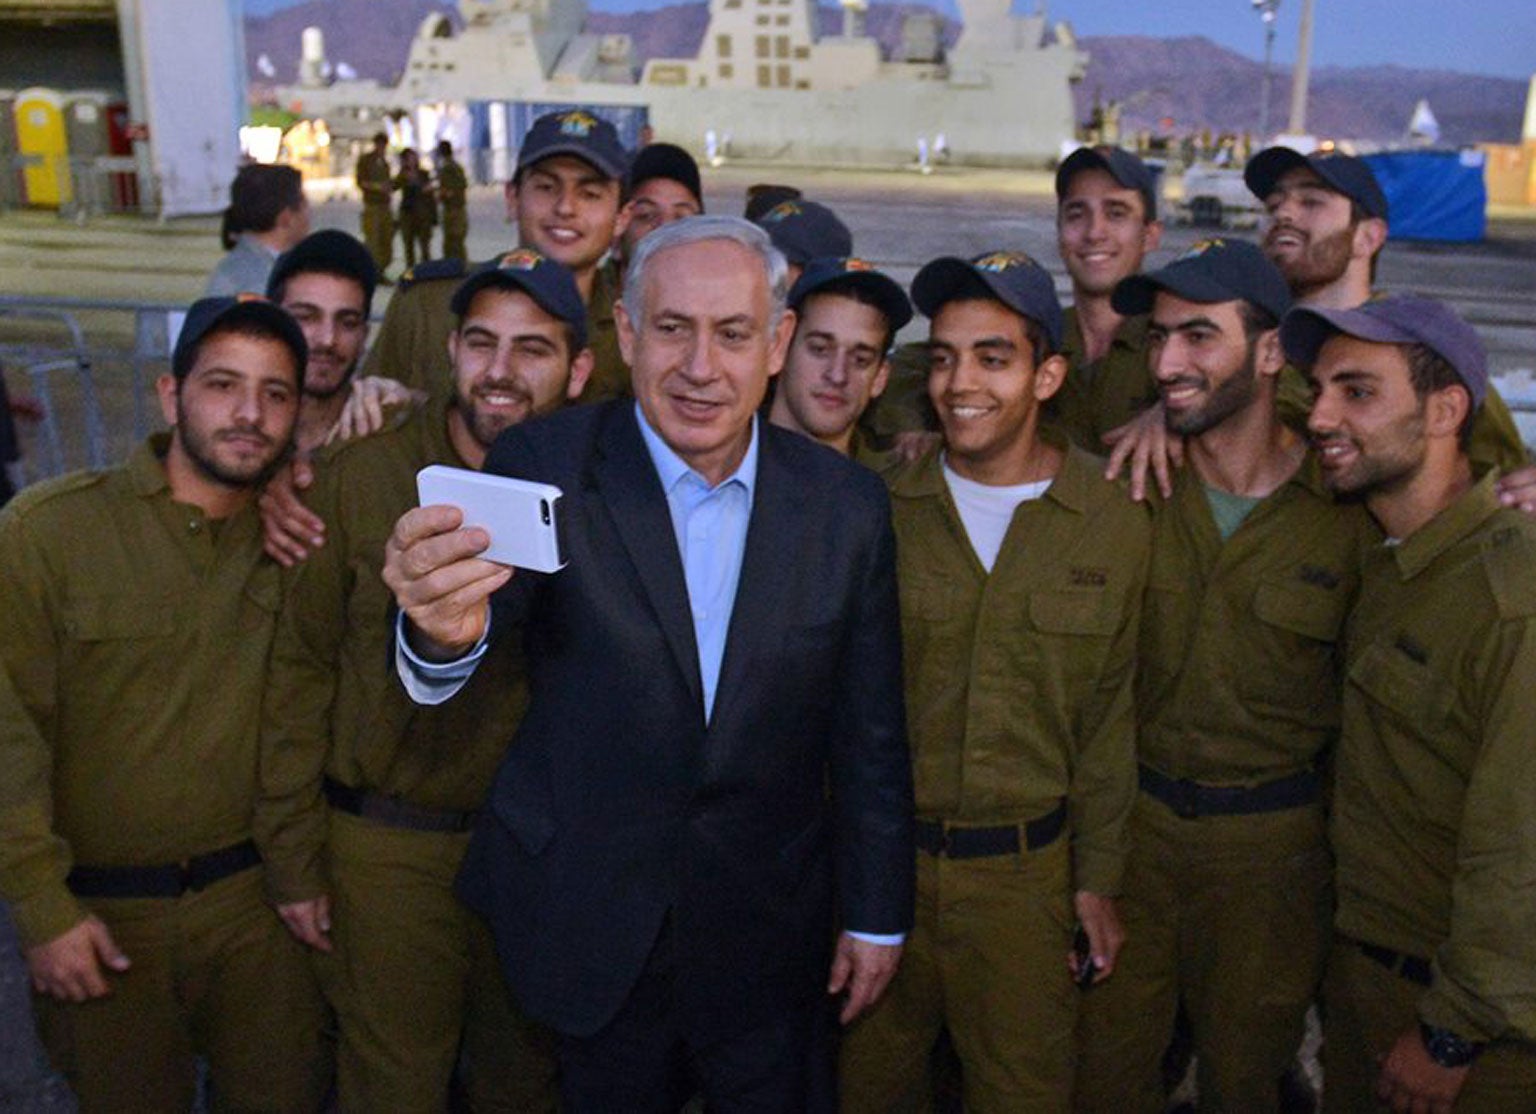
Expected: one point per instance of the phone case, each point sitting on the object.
(520, 516)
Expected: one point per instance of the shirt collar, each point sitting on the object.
(671, 468)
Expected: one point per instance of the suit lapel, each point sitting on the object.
(628, 487)
(757, 616)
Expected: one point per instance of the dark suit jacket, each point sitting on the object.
(617, 805)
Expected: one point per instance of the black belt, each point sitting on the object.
(938, 837)
(1190, 799)
(171, 880)
(1410, 967)
(392, 812)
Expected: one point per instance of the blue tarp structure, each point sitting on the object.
(1433, 195)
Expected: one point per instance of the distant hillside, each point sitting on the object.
(1202, 85)
(1191, 80)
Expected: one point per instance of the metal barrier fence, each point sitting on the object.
(93, 396)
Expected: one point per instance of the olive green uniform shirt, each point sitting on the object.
(335, 706)
(1104, 394)
(1240, 663)
(1018, 682)
(412, 346)
(374, 178)
(452, 185)
(135, 640)
(1434, 819)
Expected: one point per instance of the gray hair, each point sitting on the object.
(693, 230)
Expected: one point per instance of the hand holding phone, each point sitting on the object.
(520, 516)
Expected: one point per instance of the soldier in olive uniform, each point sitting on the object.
(1021, 573)
(1226, 897)
(376, 184)
(564, 198)
(139, 610)
(1431, 986)
(452, 192)
(1106, 223)
(418, 208)
(368, 799)
(846, 313)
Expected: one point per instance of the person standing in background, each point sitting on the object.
(452, 190)
(268, 213)
(376, 184)
(418, 207)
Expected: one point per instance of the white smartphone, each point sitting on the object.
(519, 515)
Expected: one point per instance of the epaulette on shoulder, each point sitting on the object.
(1509, 557)
(432, 269)
(34, 497)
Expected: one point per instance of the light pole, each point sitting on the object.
(1266, 10)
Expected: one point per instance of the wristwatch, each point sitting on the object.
(1447, 1048)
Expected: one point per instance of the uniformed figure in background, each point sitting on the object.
(367, 798)
(1226, 896)
(564, 198)
(662, 186)
(452, 193)
(1431, 986)
(418, 208)
(1106, 223)
(1021, 573)
(805, 230)
(139, 611)
(376, 182)
(846, 314)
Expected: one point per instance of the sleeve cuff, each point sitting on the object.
(885, 940)
(433, 682)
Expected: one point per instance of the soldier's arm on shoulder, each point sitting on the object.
(34, 860)
(1486, 970)
(1496, 441)
(295, 738)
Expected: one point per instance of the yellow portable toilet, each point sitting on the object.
(40, 133)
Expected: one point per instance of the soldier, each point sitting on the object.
(846, 315)
(1432, 976)
(139, 611)
(376, 183)
(1225, 898)
(365, 813)
(805, 230)
(564, 198)
(452, 193)
(1021, 573)
(418, 208)
(1106, 223)
(662, 186)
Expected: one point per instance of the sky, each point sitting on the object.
(1495, 37)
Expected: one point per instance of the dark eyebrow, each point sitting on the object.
(1184, 326)
(1000, 344)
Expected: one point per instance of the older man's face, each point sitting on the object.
(701, 348)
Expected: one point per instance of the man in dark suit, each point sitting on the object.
(715, 738)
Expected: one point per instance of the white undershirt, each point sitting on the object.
(986, 510)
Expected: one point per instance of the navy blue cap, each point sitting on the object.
(1119, 164)
(1392, 319)
(1011, 277)
(829, 276)
(1347, 174)
(1211, 271)
(547, 282)
(329, 252)
(805, 230)
(669, 161)
(207, 315)
(577, 133)
(764, 196)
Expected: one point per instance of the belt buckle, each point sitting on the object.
(946, 840)
(186, 878)
(1186, 799)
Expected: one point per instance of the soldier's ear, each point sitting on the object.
(1268, 357)
(1049, 376)
(168, 390)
